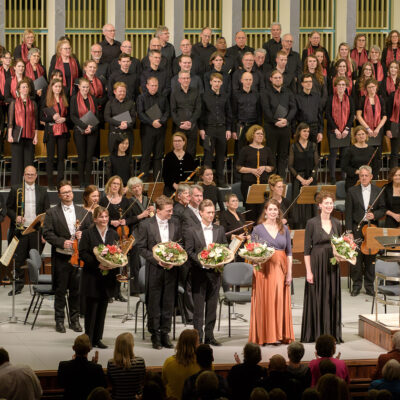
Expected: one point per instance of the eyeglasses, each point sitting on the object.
(65, 193)
(26, 174)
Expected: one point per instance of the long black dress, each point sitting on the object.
(393, 204)
(322, 309)
(303, 162)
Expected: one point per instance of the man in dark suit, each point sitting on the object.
(191, 215)
(205, 282)
(79, 376)
(35, 202)
(60, 230)
(390, 355)
(161, 279)
(358, 200)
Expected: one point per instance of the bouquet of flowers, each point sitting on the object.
(256, 253)
(170, 253)
(344, 249)
(215, 255)
(110, 256)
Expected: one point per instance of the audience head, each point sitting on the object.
(259, 393)
(99, 393)
(251, 354)
(331, 387)
(277, 363)
(326, 366)
(207, 385)
(325, 344)
(186, 347)
(391, 370)
(311, 394)
(396, 336)
(123, 350)
(277, 394)
(4, 357)
(82, 345)
(295, 352)
(153, 388)
(204, 356)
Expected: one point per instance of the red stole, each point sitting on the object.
(29, 72)
(370, 118)
(349, 88)
(13, 88)
(73, 66)
(396, 107)
(96, 87)
(28, 122)
(360, 59)
(390, 85)
(59, 129)
(340, 111)
(24, 52)
(390, 55)
(82, 109)
(379, 75)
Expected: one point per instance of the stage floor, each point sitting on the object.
(43, 348)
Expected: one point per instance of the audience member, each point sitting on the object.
(300, 374)
(259, 393)
(390, 379)
(99, 393)
(326, 366)
(311, 394)
(207, 386)
(384, 358)
(278, 376)
(332, 387)
(277, 394)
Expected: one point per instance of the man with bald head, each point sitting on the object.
(274, 44)
(155, 44)
(96, 52)
(236, 52)
(135, 68)
(186, 49)
(293, 58)
(204, 48)
(111, 47)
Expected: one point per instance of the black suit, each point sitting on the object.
(96, 287)
(79, 377)
(26, 242)
(190, 218)
(161, 283)
(355, 211)
(205, 282)
(65, 276)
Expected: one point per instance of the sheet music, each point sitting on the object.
(8, 254)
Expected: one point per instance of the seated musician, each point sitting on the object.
(391, 196)
(210, 189)
(91, 198)
(361, 208)
(276, 187)
(182, 200)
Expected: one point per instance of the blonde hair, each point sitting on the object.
(252, 130)
(109, 182)
(182, 136)
(123, 350)
(355, 131)
(186, 347)
(59, 45)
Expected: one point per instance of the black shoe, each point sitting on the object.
(333, 181)
(213, 342)
(166, 342)
(17, 291)
(75, 326)
(60, 327)
(100, 345)
(156, 341)
(111, 300)
(121, 298)
(355, 292)
(369, 292)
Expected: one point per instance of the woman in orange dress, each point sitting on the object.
(271, 314)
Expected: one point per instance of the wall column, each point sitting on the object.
(116, 17)
(231, 20)
(3, 21)
(174, 20)
(55, 25)
(290, 21)
(395, 14)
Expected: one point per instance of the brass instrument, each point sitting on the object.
(20, 206)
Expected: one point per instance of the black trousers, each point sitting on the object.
(191, 136)
(65, 278)
(278, 140)
(160, 298)
(217, 136)
(365, 267)
(22, 154)
(184, 277)
(95, 315)
(62, 153)
(152, 143)
(205, 286)
(85, 146)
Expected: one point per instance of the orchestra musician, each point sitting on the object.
(60, 230)
(182, 200)
(210, 189)
(392, 199)
(358, 200)
(205, 282)
(96, 287)
(230, 218)
(161, 280)
(91, 198)
(276, 188)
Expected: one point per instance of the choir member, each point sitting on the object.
(167, 49)
(379, 68)
(85, 135)
(391, 50)
(97, 88)
(55, 114)
(135, 67)
(22, 50)
(247, 61)
(185, 65)
(111, 48)
(303, 166)
(210, 189)
(294, 66)
(96, 52)
(11, 85)
(289, 78)
(314, 44)
(182, 199)
(393, 124)
(217, 64)
(341, 70)
(177, 164)
(340, 115)
(359, 52)
(367, 72)
(23, 124)
(186, 49)
(392, 199)
(204, 48)
(34, 69)
(344, 53)
(360, 153)
(259, 60)
(320, 57)
(388, 85)
(155, 44)
(274, 44)
(313, 67)
(6, 71)
(238, 50)
(154, 69)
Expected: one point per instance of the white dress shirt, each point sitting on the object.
(103, 237)
(196, 212)
(30, 204)
(70, 217)
(366, 194)
(208, 233)
(163, 228)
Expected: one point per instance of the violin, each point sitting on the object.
(75, 261)
(122, 230)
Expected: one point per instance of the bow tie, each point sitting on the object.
(67, 208)
(31, 188)
(163, 223)
(208, 228)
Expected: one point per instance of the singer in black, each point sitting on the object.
(358, 213)
(24, 203)
(59, 229)
(98, 281)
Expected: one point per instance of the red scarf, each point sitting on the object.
(13, 89)
(82, 109)
(96, 87)
(396, 107)
(349, 72)
(390, 55)
(359, 58)
(340, 111)
(349, 88)
(3, 78)
(370, 118)
(73, 66)
(390, 85)
(324, 72)
(311, 51)
(59, 129)
(24, 52)
(28, 122)
(379, 76)
(29, 72)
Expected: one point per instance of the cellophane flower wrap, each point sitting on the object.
(257, 253)
(110, 256)
(344, 249)
(171, 253)
(215, 255)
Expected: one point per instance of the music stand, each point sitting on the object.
(307, 195)
(382, 239)
(33, 228)
(255, 194)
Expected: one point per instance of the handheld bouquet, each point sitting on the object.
(110, 256)
(344, 249)
(215, 255)
(256, 253)
(170, 253)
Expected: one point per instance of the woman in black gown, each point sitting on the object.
(392, 199)
(322, 309)
(230, 219)
(303, 165)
